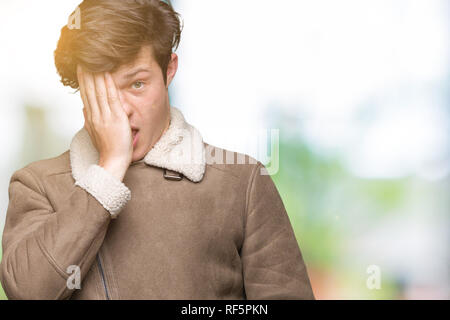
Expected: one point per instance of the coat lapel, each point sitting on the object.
(180, 149)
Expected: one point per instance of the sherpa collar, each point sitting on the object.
(180, 149)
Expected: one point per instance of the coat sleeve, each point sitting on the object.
(41, 246)
(273, 267)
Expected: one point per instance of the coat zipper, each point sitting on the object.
(103, 276)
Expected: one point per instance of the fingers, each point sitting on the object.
(88, 128)
(89, 85)
(113, 96)
(101, 94)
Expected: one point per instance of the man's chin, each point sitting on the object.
(137, 156)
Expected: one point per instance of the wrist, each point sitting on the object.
(117, 168)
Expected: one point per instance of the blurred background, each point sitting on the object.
(357, 89)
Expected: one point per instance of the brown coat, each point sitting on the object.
(203, 229)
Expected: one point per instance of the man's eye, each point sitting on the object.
(138, 85)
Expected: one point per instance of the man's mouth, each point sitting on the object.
(135, 137)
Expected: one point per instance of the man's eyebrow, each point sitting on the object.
(132, 74)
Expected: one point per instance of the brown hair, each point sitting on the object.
(112, 33)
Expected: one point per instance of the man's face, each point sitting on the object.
(144, 98)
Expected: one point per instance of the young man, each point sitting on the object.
(140, 207)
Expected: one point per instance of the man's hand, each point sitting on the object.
(106, 121)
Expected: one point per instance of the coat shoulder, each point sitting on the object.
(51, 166)
(236, 164)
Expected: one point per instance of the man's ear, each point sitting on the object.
(172, 69)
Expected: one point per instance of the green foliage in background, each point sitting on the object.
(328, 206)
(300, 181)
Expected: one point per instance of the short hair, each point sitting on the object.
(111, 34)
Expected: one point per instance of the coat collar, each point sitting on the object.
(180, 149)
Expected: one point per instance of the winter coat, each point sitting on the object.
(185, 223)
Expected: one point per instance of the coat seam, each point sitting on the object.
(60, 173)
(110, 273)
(53, 263)
(82, 263)
(51, 260)
(247, 194)
(98, 289)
